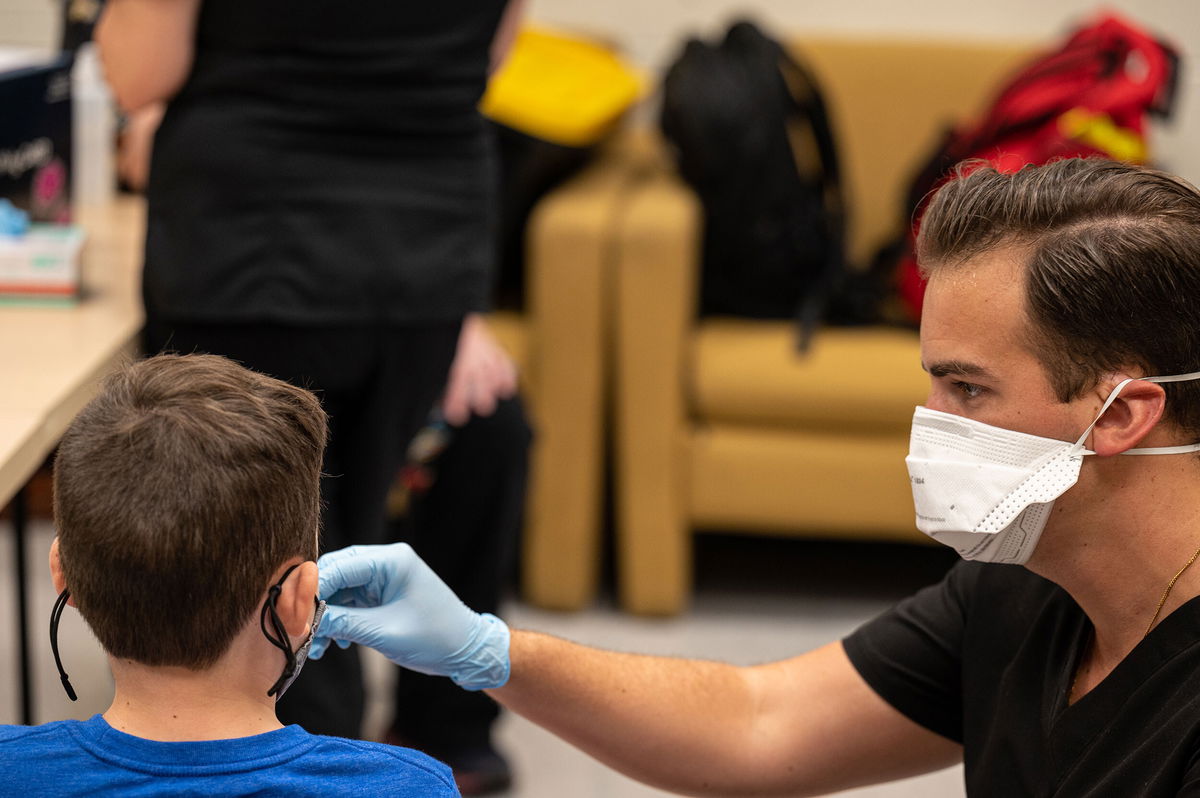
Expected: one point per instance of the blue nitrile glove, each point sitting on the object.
(387, 598)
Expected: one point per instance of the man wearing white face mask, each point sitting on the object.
(1061, 332)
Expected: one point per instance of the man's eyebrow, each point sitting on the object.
(958, 368)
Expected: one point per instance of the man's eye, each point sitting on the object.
(968, 389)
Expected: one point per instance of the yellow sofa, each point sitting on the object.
(719, 423)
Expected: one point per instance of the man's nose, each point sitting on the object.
(936, 399)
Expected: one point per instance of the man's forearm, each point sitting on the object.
(682, 725)
(804, 726)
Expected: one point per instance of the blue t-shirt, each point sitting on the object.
(73, 757)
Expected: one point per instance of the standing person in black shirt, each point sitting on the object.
(320, 208)
(463, 510)
(1061, 331)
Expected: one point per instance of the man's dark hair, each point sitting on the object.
(178, 492)
(1113, 277)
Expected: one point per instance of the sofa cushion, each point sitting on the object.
(852, 378)
(793, 482)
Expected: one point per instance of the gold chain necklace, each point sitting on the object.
(1157, 611)
(1167, 592)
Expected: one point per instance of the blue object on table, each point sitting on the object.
(13, 220)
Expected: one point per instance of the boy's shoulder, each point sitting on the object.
(43, 734)
(418, 772)
(90, 755)
(27, 752)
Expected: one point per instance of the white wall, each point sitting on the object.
(28, 23)
(650, 31)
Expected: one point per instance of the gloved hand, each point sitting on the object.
(387, 598)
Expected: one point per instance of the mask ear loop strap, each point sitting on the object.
(280, 637)
(1112, 397)
(55, 614)
(1185, 448)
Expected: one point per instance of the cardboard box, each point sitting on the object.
(41, 266)
(35, 133)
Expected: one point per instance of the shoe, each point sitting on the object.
(478, 769)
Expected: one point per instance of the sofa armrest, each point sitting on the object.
(569, 254)
(656, 289)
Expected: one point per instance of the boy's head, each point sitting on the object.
(178, 492)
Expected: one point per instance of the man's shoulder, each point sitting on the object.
(405, 769)
(968, 576)
(968, 591)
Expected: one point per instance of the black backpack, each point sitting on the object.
(752, 137)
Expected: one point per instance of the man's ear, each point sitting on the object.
(56, 572)
(1129, 419)
(295, 603)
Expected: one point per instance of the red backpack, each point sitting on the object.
(1091, 96)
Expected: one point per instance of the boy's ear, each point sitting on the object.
(1129, 419)
(295, 604)
(56, 572)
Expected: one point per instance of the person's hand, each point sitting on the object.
(387, 598)
(136, 144)
(482, 374)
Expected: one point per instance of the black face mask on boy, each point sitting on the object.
(276, 635)
(55, 614)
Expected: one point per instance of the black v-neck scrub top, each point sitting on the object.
(325, 163)
(986, 658)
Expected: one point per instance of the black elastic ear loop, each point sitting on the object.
(55, 614)
(280, 638)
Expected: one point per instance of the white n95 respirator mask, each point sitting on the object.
(987, 491)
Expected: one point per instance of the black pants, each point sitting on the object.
(466, 528)
(377, 384)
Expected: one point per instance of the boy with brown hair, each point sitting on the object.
(187, 503)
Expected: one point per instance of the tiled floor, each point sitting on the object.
(755, 601)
